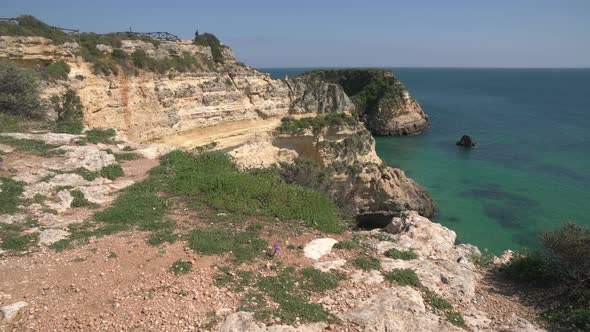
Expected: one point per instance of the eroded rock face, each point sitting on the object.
(396, 309)
(381, 100)
(381, 190)
(245, 322)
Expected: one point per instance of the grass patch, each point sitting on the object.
(86, 174)
(49, 210)
(318, 281)
(533, 268)
(35, 147)
(367, 263)
(11, 123)
(181, 267)
(112, 171)
(80, 200)
(405, 255)
(162, 236)
(404, 277)
(113, 255)
(13, 241)
(455, 318)
(39, 198)
(436, 301)
(245, 246)
(10, 193)
(215, 177)
(105, 136)
(347, 244)
(282, 289)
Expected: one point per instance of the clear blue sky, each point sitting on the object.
(303, 33)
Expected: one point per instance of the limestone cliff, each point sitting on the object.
(381, 100)
(237, 108)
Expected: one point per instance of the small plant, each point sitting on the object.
(10, 193)
(113, 255)
(484, 259)
(367, 263)
(405, 255)
(86, 174)
(181, 267)
(436, 301)
(347, 244)
(105, 136)
(39, 198)
(112, 171)
(69, 112)
(404, 277)
(125, 156)
(318, 281)
(455, 318)
(162, 236)
(80, 200)
(79, 259)
(532, 267)
(57, 70)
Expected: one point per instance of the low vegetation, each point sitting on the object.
(97, 135)
(112, 171)
(19, 91)
(405, 255)
(55, 71)
(13, 238)
(27, 25)
(367, 263)
(347, 244)
(35, 147)
(243, 246)
(292, 125)
(69, 112)
(455, 318)
(563, 268)
(181, 267)
(10, 192)
(403, 277)
(210, 40)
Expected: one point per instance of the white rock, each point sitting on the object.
(6, 148)
(318, 248)
(395, 309)
(11, 310)
(49, 138)
(11, 219)
(245, 322)
(155, 151)
(51, 235)
(329, 265)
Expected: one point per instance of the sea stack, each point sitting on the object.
(466, 142)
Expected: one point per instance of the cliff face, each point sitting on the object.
(237, 109)
(381, 100)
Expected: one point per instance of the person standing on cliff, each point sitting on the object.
(196, 34)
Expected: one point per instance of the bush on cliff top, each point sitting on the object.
(291, 125)
(28, 25)
(19, 92)
(564, 266)
(208, 39)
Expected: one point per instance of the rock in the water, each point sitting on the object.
(466, 141)
(11, 310)
(318, 248)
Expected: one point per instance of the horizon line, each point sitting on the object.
(410, 67)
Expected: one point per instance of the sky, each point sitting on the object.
(343, 33)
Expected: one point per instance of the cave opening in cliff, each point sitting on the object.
(373, 221)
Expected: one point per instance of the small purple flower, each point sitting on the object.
(276, 248)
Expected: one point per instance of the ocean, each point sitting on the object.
(531, 170)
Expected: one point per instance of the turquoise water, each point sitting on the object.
(531, 171)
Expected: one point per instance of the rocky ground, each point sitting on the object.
(408, 277)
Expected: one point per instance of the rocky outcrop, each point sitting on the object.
(466, 142)
(381, 100)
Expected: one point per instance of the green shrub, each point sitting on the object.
(404, 277)
(181, 267)
(97, 135)
(244, 246)
(570, 246)
(532, 267)
(112, 171)
(210, 40)
(347, 244)
(19, 92)
(10, 193)
(30, 26)
(436, 301)
(36, 147)
(405, 255)
(80, 200)
(57, 70)
(455, 318)
(367, 263)
(69, 112)
(11, 123)
(318, 281)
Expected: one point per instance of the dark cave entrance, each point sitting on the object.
(373, 220)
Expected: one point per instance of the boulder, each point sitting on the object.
(245, 322)
(10, 311)
(318, 248)
(466, 142)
